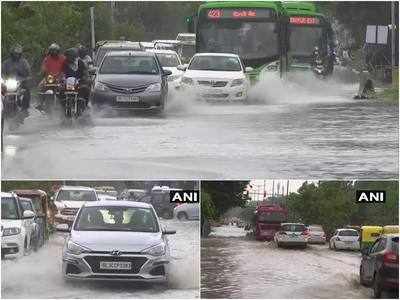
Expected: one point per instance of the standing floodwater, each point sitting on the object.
(234, 266)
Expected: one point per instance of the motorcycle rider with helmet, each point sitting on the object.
(17, 66)
(75, 67)
(53, 64)
(84, 56)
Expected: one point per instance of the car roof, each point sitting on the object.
(217, 54)
(121, 203)
(129, 53)
(76, 188)
(7, 195)
(122, 44)
(186, 34)
(167, 41)
(162, 51)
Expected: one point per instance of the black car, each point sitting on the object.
(380, 265)
(130, 80)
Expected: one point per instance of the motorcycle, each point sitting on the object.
(74, 105)
(13, 98)
(51, 91)
(318, 66)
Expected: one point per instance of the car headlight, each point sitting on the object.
(76, 249)
(101, 86)
(237, 82)
(11, 85)
(155, 87)
(11, 231)
(156, 250)
(187, 80)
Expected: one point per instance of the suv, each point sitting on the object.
(17, 226)
(108, 46)
(69, 199)
(379, 266)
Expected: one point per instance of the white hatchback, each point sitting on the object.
(345, 239)
(292, 234)
(216, 77)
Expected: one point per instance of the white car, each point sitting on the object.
(345, 239)
(187, 211)
(17, 226)
(292, 234)
(69, 199)
(216, 77)
(106, 197)
(186, 37)
(170, 60)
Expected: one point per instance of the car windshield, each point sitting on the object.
(76, 195)
(215, 63)
(129, 65)
(395, 244)
(293, 227)
(348, 233)
(117, 218)
(168, 59)
(9, 208)
(303, 39)
(104, 50)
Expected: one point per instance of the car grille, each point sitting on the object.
(136, 262)
(69, 211)
(127, 90)
(213, 83)
(215, 95)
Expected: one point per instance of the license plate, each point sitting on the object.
(115, 265)
(127, 99)
(214, 91)
(348, 242)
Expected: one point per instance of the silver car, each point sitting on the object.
(317, 234)
(117, 240)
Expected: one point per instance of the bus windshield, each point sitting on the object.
(255, 41)
(303, 39)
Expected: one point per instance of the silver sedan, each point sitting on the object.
(114, 240)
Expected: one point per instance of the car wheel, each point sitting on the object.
(377, 286)
(182, 216)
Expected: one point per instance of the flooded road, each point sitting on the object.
(289, 133)
(234, 266)
(38, 275)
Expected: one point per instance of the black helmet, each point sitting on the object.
(82, 51)
(71, 54)
(16, 51)
(54, 49)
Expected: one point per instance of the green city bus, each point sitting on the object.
(306, 29)
(251, 29)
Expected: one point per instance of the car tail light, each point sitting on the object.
(390, 257)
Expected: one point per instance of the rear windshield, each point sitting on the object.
(395, 244)
(348, 233)
(129, 65)
(293, 227)
(77, 195)
(315, 228)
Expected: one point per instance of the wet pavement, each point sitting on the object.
(38, 275)
(234, 266)
(308, 130)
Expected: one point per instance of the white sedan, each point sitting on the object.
(216, 77)
(345, 239)
(187, 211)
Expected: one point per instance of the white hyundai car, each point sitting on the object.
(170, 60)
(216, 77)
(345, 239)
(16, 226)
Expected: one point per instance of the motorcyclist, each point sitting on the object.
(75, 67)
(17, 66)
(84, 56)
(53, 64)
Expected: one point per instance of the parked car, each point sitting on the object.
(131, 80)
(187, 211)
(216, 77)
(17, 226)
(170, 61)
(345, 239)
(379, 266)
(108, 46)
(317, 234)
(69, 199)
(292, 234)
(117, 240)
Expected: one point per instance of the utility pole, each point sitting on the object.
(393, 38)
(287, 188)
(93, 40)
(264, 192)
(273, 188)
(112, 6)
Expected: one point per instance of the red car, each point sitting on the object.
(380, 265)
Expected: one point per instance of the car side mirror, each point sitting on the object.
(182, 67)
(92, 71)
(63, 227)
(167, 72)
(166, 231)
(248, 69)
(28, 214)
